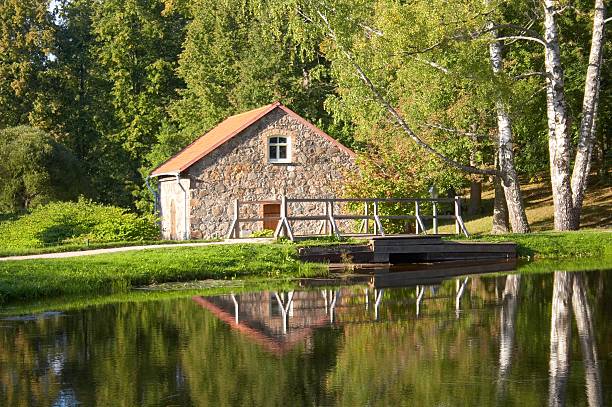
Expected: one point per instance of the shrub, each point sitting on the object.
(263, 233)
(35, 169)
(66, 222)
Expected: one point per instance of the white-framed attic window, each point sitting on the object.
(279, 149)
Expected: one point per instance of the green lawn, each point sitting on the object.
(597, 210)
(557, 245)
(119, 272)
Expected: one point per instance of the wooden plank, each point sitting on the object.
(414, 242)
(447, 248)
(406, 237)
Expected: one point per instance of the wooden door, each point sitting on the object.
(271, 213)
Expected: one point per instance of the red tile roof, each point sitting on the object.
(225, 131)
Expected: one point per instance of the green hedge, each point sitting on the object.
(70, 222)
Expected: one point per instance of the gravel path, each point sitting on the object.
(93, 252)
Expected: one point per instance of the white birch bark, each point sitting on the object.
(560, 338)
(509, 177)
(584, 322)
(558, 131)
(500, 210)
(582, 163)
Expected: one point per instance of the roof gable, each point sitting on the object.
(226, 130)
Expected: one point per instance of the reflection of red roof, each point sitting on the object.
(225, 131)
(271, 344)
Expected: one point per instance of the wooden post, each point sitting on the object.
(435, 217)
(375, 216)
(416, 214)
(457, 215)
(283, 214)
(332, 220)
(367, 221)
(234, 230)
(237, 217)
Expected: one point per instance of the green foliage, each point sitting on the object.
(35, 169)
(237, 56)
(66, 222)
(124, 85)
(118, 272)
(263, 233)
(26, 39)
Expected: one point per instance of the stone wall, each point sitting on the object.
(239, 169)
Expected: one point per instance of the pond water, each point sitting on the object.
(475, 341)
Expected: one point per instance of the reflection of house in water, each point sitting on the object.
(278, 321)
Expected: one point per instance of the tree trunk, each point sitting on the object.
(586, 332)
(475, 197)
(558, 131)
(512, 191)
(500, 210)
(560, 338)
(582, 164)
(475, 185)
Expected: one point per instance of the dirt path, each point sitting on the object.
(93, 252)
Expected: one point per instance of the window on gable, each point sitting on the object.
(279, 149)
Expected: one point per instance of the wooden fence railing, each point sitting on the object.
(330, 216)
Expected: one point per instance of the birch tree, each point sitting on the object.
(505, 150)
(431, 56)
(568, 190)
(582, 163)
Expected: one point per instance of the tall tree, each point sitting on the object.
(505, 154)
(26, 41)
(586, 142)
(568, 190)
(137, 47)
(237, 56)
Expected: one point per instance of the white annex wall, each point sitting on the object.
(174, 198)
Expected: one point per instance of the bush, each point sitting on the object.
(68, 222)
(35, 170)
(263, 233)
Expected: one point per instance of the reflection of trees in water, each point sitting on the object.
(36, 380)
(507, 330)
(586, 332)
(569, 293)
(176, 353)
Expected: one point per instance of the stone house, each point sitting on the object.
(259, 155)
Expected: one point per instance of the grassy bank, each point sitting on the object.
(557, 245)
(537, 196)
(119, 272)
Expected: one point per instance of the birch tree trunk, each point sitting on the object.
(582, 163)
(584, 322)
(558, 131)
(509, 177)
(560, 338)
(500, 210)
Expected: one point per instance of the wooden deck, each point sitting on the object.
(399, 249)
